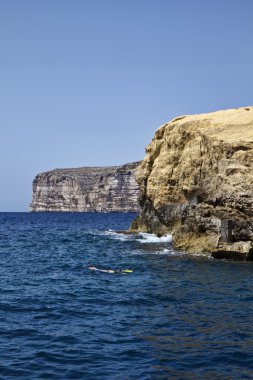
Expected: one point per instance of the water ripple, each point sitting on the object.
(175, 317)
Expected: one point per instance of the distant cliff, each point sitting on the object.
(196, 182)
(87, 189)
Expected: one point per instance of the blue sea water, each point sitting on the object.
(175, 317)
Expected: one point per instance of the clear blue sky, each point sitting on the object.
(87, 82)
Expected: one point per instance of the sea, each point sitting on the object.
(175, 316)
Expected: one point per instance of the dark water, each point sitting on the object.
(174, 317)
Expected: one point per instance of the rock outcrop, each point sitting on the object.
(87, 189)
(196, 182)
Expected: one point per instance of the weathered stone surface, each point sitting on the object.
(87, 189)
(196, 182)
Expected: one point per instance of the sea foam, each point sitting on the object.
(141, 237)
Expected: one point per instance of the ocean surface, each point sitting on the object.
(174, 317)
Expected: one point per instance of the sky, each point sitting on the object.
(87, 82)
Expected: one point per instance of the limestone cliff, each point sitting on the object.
(87, 189)
(196, 182)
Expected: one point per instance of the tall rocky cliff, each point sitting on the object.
(196, 182)
(87, 189)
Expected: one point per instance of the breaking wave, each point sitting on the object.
(152, 238)
(141, 237)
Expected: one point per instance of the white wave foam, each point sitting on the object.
(152, 238)
(141, 237)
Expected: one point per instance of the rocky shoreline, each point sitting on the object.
(196, 182)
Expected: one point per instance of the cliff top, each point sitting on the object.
(230, 125)
(92, 169)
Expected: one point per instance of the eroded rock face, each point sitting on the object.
(87, 189)
(196, 182)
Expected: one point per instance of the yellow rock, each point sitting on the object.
(196, 182)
